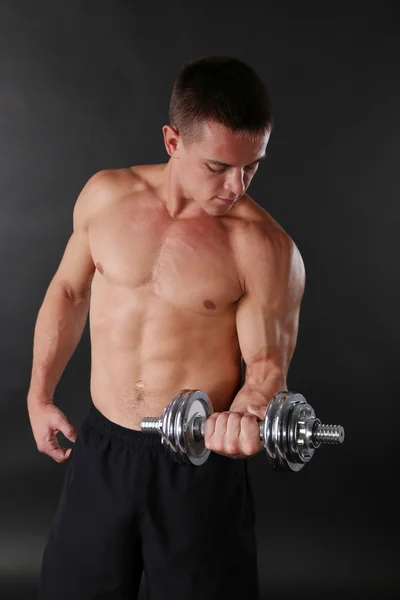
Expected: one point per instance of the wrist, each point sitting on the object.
(35, 400)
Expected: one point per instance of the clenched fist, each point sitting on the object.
(233, 434)
(47, 421)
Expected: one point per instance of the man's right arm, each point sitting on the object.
(62, 315)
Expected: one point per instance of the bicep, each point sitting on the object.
(267, 341)
(76, 269)
(267, 317)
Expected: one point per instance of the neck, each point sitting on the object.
(179, 204)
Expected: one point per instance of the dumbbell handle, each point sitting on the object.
(318, 432)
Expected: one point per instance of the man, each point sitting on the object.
(183, 273)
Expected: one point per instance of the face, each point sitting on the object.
(220, 166)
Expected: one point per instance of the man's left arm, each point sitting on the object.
(267, 318)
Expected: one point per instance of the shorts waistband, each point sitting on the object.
(133, 436)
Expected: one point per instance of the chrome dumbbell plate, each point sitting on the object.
(291, 432)
(178, 430)
(280, 431)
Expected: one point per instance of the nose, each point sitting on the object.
(235, 182)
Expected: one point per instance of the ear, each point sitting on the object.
(171, 140)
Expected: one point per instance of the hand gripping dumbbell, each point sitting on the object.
(290, 431)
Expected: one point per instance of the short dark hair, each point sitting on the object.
(221, 89)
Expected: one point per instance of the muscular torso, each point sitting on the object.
(163, 303)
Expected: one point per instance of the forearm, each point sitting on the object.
(258, 393)
(58, 330)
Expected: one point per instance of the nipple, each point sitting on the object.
(210, 305)
(99, 268)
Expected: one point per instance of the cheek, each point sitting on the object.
(209, 180)
(247, 178)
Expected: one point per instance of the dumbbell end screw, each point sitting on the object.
(151, 425)
(328, 434)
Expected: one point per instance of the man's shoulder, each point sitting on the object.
(263, 245)
(117, 180)
(108, 186)
(260, 236)
(109, 189)
(99, 193)
(128, 180)
(256, 222)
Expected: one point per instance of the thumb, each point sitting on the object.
(68, 430)
(258, 411)
(60, 454)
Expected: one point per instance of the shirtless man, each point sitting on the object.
(183, 274)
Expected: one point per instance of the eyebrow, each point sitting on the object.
(222, 164)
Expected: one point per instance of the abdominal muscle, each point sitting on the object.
(144, 355)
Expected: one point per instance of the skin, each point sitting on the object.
(179, 286)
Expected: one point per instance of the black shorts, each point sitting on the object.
(126, 507)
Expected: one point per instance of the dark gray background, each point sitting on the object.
(85, 86)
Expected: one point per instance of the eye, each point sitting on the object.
(214, 171)
(223, 169)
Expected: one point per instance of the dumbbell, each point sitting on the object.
(290, 431)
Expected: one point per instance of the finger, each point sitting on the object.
(233, 425)
(249, 426)
(226, 437)
(53, 449)
(62, 455)
(215, 431)
(250, 434)
(221, 425)
(59, 454)
(67, 430)
(210, 424)
(232, 441)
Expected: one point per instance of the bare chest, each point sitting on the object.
(186, 262)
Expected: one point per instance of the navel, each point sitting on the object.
(99, 268)
(210, 305)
